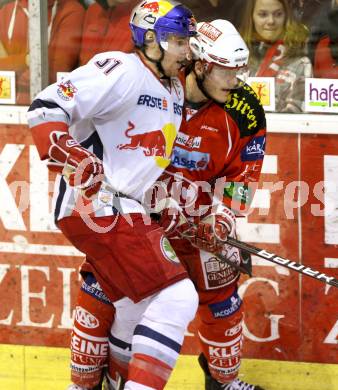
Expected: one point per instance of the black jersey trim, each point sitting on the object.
(39, 103)
(246, 110)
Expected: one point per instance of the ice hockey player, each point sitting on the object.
(115, 120)
(221, 143)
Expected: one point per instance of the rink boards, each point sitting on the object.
(41, 368)
(288, 318)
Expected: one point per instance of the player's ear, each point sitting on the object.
(151, 46)
(199, 68)
(150, 38)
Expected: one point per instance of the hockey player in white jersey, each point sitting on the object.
(115, 120)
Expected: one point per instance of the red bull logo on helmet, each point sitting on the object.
(158, 7)
(155, 143)
(153, 6)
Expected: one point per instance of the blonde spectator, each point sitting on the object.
(277, 49)
(65, 18)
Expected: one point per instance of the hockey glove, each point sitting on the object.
(170, 217)
(174, 223)
(82, 168)
(212, 231)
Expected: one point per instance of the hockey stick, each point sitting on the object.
(300, 268)
(224, 259)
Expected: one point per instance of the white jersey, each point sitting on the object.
(119, 110)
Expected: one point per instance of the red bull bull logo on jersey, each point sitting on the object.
(155, 143)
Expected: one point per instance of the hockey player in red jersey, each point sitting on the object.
(216, 160)
(219, 152)
(79, 126)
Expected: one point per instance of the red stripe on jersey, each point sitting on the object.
(148, 371)
(41, 138)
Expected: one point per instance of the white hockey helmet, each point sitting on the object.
(220, 43)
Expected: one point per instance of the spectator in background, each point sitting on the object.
(277, 49)
(305, 11)
(106, 28)
(3, 2)
(65, 18)
(323, 45)
(209, 10)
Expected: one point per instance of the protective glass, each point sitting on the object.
(228, 78)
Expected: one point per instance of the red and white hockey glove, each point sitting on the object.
(212, 231)
(82, 168)
(172, 219)
(174, 223)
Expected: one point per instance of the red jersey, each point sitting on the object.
(222, 146)
(219, 152)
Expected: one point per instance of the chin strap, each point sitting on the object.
(200, 84)
(158, 62)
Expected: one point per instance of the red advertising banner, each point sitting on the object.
(287, 316)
